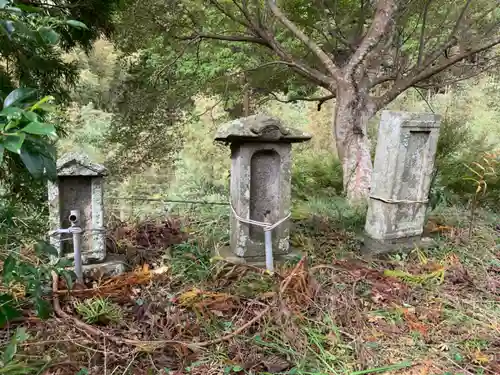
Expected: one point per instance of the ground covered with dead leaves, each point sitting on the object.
(432, 312)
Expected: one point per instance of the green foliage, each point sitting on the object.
(9, 363)
(11, 349)
(32, 41)
(253, 285)
(336, 209)
(144, 115)
(160, 75)
(233, 369)
(190, 263)
(455, 136)
(17, 269)
(316, 175)
(454, 169)
(26, 147)
(88, 128)
(8, 311)
(97, 69)
(99, 310)
(204, 172)
(33, 37)
(24, 133)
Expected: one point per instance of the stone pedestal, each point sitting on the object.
(260, 183)
(79, 186)
(404, 163)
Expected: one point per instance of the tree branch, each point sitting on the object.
(267, 39)
(320, 99)
(338, 36)
(156, 75)
(422, 33)
(381, 21)
(452, 39)
(320, 54)
(460, 18)
(244, 9)
(463, 78)
(409, 81)
(300, 67)
(229, 38)
(382, 79)
(279, 62)
(228, 14)
(452, 61)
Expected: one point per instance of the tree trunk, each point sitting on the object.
(352, 113)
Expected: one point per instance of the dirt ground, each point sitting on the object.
(432, 312)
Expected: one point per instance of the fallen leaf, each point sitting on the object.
(480, 358)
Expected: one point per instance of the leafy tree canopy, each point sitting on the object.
(366, 53)
(33, 36)
(208, 45)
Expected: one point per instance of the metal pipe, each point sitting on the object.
(269, 244)
(74, 218)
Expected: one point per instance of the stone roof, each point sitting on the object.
(78, 164)
(259, 128)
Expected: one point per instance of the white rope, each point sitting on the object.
(395, 201)
(266, 226)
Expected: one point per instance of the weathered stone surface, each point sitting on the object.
(404, 162)
(259, 128)
(260, 182)
(260, 185)
(79, 186)
(259, 261)
(78, 164)
(373, 246)
(112, 266)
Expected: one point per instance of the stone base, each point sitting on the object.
(112, 266)
(372, 246)
(231, 257)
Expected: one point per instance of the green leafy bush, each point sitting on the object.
(458, 148)
(316, 174)
(25, 133)
(27, 152)
(19, 269)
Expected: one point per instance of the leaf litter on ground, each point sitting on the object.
(345, 316)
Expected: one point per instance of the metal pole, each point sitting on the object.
(74, 218)
(269, 245)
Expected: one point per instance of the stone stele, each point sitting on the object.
(260, 183)
(402, 174)
(79, 186)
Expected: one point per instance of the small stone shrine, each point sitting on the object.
(79, 186)
(260, 185)
(402, 174)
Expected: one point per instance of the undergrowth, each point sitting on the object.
(190, 263)
(98, 310)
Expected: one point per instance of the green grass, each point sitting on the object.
(190, 263)
(99, 310)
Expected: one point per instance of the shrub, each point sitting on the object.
(202, 166)
(454, 137)
(316, 175)
(457, 149)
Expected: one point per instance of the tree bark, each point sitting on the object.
(352, 112)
